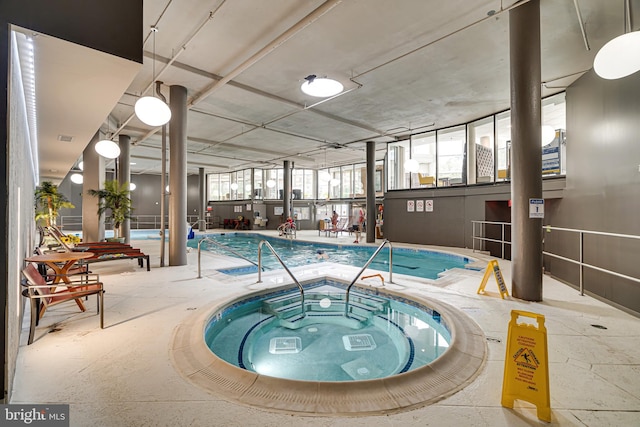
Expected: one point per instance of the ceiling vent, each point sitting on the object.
(65, 138)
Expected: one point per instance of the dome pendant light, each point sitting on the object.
(619, 57)
(106, 147)
(149, 109)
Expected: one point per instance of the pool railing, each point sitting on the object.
(385, 242)
(273, 251)
(224, 247)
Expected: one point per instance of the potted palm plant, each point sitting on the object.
(48, 201)
(114, 199)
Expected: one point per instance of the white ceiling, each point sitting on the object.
(407, 66)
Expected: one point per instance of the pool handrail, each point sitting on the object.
(273, 251)
(384, 242)
(220, 245)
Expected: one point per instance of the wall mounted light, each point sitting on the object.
(271, 183)
(234, 186)
(132, 186)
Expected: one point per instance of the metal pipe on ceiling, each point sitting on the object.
(182, 48)
(282, 38)
(581, 22)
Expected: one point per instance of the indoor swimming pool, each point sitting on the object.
(380, 337)
(414, 262)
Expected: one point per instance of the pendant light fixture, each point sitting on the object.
(619, 57)
(106, 147)
(150, 110)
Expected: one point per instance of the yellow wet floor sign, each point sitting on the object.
(526, 371)
(494, 268)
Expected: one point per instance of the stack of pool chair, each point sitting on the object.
(103, 251)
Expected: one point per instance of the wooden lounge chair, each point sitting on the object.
(43, 295)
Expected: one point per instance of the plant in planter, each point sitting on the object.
(48, 201)
(115, 199)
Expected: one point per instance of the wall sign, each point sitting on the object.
(419, 205)
(411, 205)
(536, 208)
(428, 205)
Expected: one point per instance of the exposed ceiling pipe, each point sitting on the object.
(302, 24)
(581, 22)
(182, 48)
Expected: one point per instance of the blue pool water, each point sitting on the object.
(414, 262)
(382, 336)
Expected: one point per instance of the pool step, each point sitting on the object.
(361, 309)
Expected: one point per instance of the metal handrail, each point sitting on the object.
(502, 241)
(273, 251)
(224, 247)
(384, 242)
(579, 262)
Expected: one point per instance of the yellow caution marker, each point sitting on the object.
(494, 268)
(526, 370)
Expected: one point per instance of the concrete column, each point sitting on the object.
(93, 179)
(526, 152)
(371, 191)
(202, 220)
(286, 198)
(178, 176)
(124, 176)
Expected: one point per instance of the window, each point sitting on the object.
(451, 156)
(334, 183)
(360, 180)
(346, 181)
(308, 188)
(481, 151)
(554, 116)
(423, 150)
(397, 156)
(503, 134)
(258, 185)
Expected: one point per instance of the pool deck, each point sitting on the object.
(123, 375)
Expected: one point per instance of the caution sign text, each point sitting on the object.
(494, 268)
(526, 372)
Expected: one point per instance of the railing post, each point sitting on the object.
(502, 239)
(581, 264)
(390, 262)
(199, 254)
(473, 235)
(260, 262)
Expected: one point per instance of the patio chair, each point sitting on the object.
(42, 295)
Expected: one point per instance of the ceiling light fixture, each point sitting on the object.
(271, 183)
(107, 148)
(77, 178)
(548, 134)
(150, 110)
(411, 166)
(132, 186)
(234, 186)
(619, 57)
(321, 87)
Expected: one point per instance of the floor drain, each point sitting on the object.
(599, 326)
(494, 339)
(55, 330)
(192, 308)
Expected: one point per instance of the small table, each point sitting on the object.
(60, 263)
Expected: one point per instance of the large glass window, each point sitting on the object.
(503, 143)
(398, 155)
(214, 186)
(324, 182)
(554, 122)
(273, 183)
(258, 190)
(360, 180)
(423, 150)
(347, 181)
(481, 154)
(334, 183)
(225, 186)
(451, 156)
(308, 188)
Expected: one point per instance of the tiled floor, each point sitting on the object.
(123, 376)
